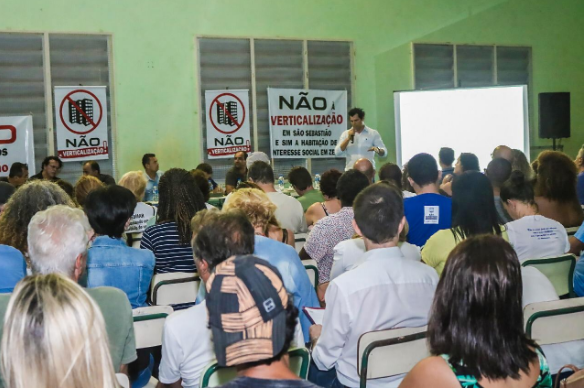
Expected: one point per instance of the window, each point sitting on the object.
(31, 65)
(459, 66)
(257, 64)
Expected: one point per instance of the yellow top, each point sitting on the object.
(439, 246)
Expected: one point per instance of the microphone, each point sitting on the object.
(352, 138)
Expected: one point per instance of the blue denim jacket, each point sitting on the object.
(110, 262)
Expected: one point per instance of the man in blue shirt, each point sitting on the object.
(446, 157)
(152, 175)
(429, 211)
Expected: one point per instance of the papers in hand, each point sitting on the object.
(314, 314)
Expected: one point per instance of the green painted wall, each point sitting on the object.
(155, 61)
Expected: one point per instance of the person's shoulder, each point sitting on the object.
(109, 295)
(188, 318)
(145, 255)
(10, 252)
(432, 371)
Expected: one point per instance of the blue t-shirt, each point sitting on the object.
(579, 270)
(580, 187)
(12, 268)
(426, 214)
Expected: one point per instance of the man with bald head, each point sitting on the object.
(365, 166)
(503, 151)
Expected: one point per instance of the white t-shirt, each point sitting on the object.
(186, 346)
(347, 255)
(538, 288)
(408, 194)
(139, 221)
(536, 237)
(289, 212)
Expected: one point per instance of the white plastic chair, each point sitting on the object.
(148, 325)
(559, 270)
(312, 270)
(299, 241)
(384, 353)
(555, 321)
(174, 288)
(123, 380)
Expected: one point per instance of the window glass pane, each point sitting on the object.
(434, 66)
(475, 66)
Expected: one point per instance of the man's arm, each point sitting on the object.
(576, 246)
(177, 384)
(343, 142)
(378, 146)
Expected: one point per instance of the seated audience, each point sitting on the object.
(391, 173)
(6, 191)
(58, 238)
(204, 186)
(331, 204)
(84, 186)
(301, 182)
(50, 166)
(365, 166)
(445, 159)
(331, 230)
(259, 210)
(503, 151)
(289, 211)
(533, 236)
(207, 169)
(386, 291)
(152, 175)
(498, 171)
(348, 254)
(135, 182)
(258, 349)
(92, 168)
(473, 213)
(18, 174)
(429, 211)
(237, 173)
(54, 336)
(186, 344)
(169, 239)
(580, 165)
(67, 187)
(519, 163)
(466, 162)
(475, 333)
(22, 206)
(555, 188)
(110, 262)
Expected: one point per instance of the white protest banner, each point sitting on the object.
(16, 143)
(81, 116)
(306, 122)
(227, 122)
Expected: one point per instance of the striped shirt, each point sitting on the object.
(171, 256)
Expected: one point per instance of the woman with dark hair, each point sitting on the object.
(473, 213)
(475, 332)
(169, 239)
(331, 204)
(466, 162)
(555, 188)
(518, 199)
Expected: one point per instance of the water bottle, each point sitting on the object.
(238, 183)
(155, 194)
(281, 183)
(210, 186)
(317, 182)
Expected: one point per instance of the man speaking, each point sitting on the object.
(359, 141)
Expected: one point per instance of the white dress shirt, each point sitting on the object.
(363, 141)
(386, 291)
(289, 212)
(348, 255)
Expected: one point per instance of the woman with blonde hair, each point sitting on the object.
(84, 186)
(54, 336)
(136, 182)
(261, 213)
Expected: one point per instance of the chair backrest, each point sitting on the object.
(384, 353)
(214, 375)
(555, 321)
(559, 270)
(174, 288)
(312, 270)
(299, 241)
(133, 239)
(123, 380)
(572, 230)
(148, 325)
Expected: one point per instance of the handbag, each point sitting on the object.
(574, 380)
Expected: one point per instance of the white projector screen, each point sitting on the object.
(474, 120)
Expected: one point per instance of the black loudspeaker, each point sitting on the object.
(554, 115)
